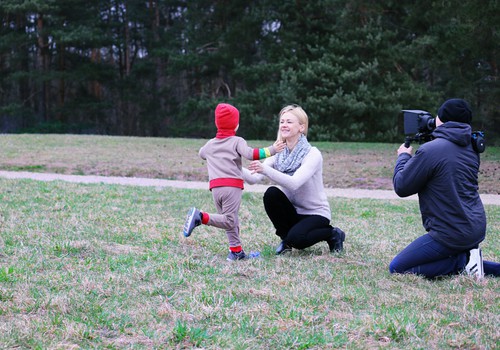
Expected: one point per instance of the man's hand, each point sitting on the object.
(404, 149)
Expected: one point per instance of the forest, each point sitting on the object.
(159, 67)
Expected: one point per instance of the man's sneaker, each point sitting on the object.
(336, 241)
(232, 256)
(475, 265)
(193, 219)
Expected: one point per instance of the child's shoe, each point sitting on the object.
(475, 265)
(193, 219)
(232, 256)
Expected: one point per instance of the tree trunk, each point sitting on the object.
(43, 53)
(60, 116)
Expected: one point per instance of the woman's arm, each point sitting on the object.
(252, 177)
(312, 163)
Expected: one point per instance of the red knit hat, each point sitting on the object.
(227, 117)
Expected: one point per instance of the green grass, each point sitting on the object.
(100, 266)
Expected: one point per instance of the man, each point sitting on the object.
(444, 173)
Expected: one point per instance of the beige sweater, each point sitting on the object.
(304, 188)
(224, 158)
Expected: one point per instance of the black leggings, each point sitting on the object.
(298, 231)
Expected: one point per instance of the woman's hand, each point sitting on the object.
(255, 167)
(279, 146)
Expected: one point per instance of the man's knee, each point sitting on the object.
(394, 267)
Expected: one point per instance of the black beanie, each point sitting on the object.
(455, 110)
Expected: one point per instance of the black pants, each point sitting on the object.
(298, 231)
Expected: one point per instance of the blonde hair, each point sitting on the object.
(301, 115)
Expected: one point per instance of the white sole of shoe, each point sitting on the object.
(475, 266)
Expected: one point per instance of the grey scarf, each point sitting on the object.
(288, 162)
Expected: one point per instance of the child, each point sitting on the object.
(223, 155)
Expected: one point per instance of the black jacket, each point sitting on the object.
(444, 174)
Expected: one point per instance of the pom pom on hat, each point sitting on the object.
(227, 117)
(455, 110)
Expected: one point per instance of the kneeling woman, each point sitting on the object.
(299, 209)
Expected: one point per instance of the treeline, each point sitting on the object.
(158, 68)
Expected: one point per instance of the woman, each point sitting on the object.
(299, 211)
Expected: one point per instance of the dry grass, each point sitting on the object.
(358, 165)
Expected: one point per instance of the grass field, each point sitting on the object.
(346, 165)
(106, 266)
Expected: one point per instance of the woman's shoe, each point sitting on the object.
(336, 241)
(283, 248)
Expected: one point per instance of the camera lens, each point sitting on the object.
(431, 123)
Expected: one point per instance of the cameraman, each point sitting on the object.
(444, 173)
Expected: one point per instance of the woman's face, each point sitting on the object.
(290, 126)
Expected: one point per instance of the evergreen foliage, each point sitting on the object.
(159, 67)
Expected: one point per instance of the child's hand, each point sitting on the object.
(279, 146)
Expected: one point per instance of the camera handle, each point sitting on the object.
(407, 141)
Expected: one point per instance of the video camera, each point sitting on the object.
(419, 125)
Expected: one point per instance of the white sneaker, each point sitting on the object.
(475, 265)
